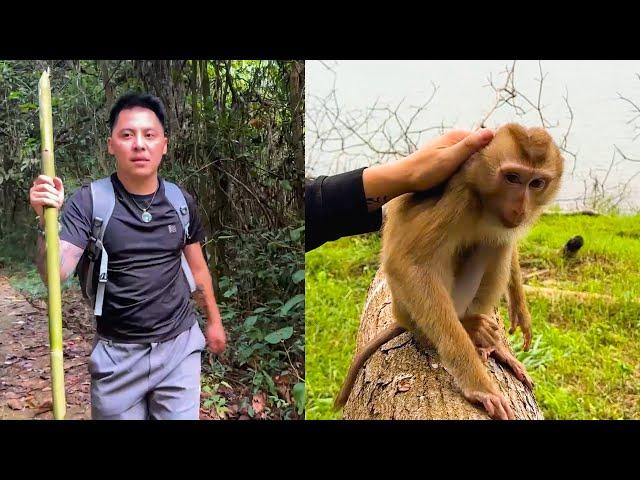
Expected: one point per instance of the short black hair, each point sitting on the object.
(134, 99)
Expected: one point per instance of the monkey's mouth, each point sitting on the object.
(509, 223)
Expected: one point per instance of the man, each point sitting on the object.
(146, 360)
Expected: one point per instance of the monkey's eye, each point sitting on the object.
(512, 178)
(538, 183)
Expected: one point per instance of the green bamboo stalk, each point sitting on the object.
(53, 254)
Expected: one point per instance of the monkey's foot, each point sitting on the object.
(496, 405)
(485, 352)
(483, 331)
(503, 355)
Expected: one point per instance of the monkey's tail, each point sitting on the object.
(383, 337)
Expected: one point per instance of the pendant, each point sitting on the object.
(146, 217)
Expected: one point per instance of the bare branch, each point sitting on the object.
(385, 131)
(626, 157)
(503, 94)
(563, 142)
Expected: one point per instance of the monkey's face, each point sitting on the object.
(517, 174)
(520, 193)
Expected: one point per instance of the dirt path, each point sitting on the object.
(25, 381)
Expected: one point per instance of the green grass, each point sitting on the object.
(29, 283)
(585, 358)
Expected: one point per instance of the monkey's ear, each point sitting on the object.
(516, 131)
(539, 136)
(541, 144)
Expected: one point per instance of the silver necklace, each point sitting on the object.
(146, 216)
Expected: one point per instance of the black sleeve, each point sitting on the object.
(196, 230)
(75, 221)
(336, 207)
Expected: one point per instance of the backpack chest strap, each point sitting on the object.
(102, 281)
(179, 203)
(103, 201)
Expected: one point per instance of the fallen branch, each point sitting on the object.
(535, 274)
(591, 213)
(555, 292)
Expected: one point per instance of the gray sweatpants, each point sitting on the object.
(138, 381)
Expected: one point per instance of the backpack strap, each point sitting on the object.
(103, 199)
(179, 203)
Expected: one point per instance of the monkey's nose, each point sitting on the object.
(517, 215)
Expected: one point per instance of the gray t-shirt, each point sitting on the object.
(147, 297)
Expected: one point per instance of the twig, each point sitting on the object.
(554, 292)
(535, 274)
(500, 100)
(295, 370)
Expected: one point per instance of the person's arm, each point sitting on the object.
(335, 207)
(69, 258)
(203, 295)
(205, 298)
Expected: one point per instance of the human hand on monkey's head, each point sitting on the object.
(427, 167)
(436, 161)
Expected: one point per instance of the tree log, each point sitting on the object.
(402, 381)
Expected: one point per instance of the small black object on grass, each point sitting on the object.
(572, 246)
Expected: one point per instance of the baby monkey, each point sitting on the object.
(449, 254)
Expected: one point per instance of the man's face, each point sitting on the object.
(137, 142)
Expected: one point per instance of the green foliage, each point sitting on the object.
(17, 247)
(338, 275)
(30, 284)
(299, 395)
(585, 354)
(263, 310)
(279, 335)
(214, 400)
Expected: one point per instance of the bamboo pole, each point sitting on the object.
(53, 253)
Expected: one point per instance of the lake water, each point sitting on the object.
(601, 119)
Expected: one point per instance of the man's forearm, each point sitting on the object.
(384, 182)
(69, 257)
(41, 258)
(205, 297)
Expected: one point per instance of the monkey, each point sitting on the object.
(449, 255)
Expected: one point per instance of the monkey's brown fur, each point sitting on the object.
(488, 204)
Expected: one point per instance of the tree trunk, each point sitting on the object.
(296, 105)
(106, 82)
(403, 382)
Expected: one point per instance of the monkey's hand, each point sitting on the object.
(519, 316)
(483, 331)
(494, 403)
